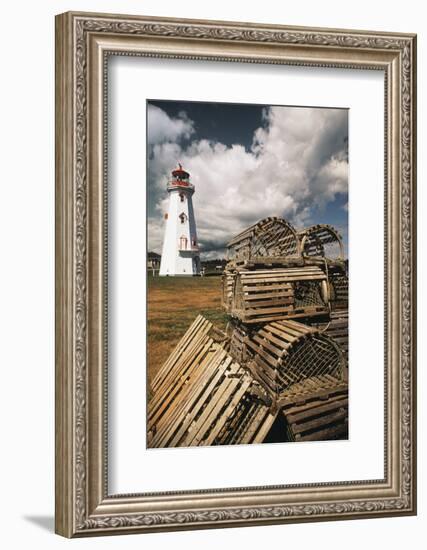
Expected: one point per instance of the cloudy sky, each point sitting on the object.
(248, 162)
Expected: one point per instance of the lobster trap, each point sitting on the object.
(280, 371)
(284, 353)
(228, 277)
(260, 296)
(316, 415)
(321, 241)
(270, 240)
(338, 289)
(336, 327)
(203, 397)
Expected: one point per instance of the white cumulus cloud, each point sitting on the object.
(297, 163)
(162, 128)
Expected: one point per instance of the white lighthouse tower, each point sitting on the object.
(180, 255)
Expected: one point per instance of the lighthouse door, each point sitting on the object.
(183, 243)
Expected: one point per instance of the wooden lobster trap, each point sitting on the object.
(271, 240)
(204, 396)
(338, 289)
(269, 378)
(237, 334)
(260, 296)
(284, 353)
(336, 327)
(321, 241)
(305, 408)
(228, 278)
(201, 396)
(316, 414)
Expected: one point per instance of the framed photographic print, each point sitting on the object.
(235, 274)
(264, 294)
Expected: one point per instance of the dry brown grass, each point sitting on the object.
(173, 304)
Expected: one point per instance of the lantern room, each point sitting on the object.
(180, 178)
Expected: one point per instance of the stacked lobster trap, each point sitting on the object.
(280, 371)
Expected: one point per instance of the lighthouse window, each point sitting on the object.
(183, 217)
(181, 196)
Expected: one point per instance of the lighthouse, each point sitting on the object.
(180, 255)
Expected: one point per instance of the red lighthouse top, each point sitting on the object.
(180, 178)
(180, 174)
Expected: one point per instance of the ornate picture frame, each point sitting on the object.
(83, 43)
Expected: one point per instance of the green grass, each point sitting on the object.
(173, 304)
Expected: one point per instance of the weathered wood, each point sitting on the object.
(336, 327)
(316, 415)
(269, 237)
(240, 389)
(199, 326)
(338, 289)
(219, 389)
(193, 401)
(164, 405)
(332, 404)
(282, 353)
(266, 295)
(255, 422)
(300, 394)
(227, 289)
(202, 394)
(214, 400)
(181, 371)
(321, 241)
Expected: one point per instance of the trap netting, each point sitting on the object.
(310, 357)
(308, 293)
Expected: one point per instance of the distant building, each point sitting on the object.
(153, 261)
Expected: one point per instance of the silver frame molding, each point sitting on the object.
(83, 43)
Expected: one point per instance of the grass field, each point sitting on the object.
(173, 304)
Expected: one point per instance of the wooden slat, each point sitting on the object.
(260, 419)
(264, 428)
(198, 391)
(203, 393)
(253, 289)
(264, 305)
(326, 434)
(314, 409)
(289, 399)
(164, 407)
(241, 386)
(166, 394)
(199, 326)
(280, 293)
(197, 434)
(267, 310)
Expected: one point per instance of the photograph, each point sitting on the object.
(247, 273)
